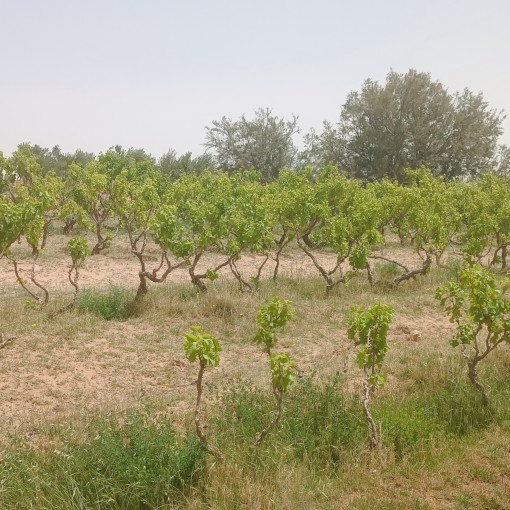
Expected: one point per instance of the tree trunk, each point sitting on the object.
(277, 257)
(374, 436)
(276, 419)
(473, 377)
(69, 225)
(99, 246)
(142, 286)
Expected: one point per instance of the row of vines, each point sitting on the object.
(234, 215)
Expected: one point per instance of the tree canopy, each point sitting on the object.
(264, 143)
(409, 122)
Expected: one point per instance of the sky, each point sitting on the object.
(153, 74)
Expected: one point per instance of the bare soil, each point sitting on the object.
(76, 362)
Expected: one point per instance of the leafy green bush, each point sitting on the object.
(477, 304)
(116, 304)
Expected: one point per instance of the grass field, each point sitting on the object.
(96, 405)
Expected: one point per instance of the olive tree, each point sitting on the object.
(407, 122)
(264, 143)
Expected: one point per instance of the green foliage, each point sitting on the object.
(79, 249)
(202, 346)
(211, 275)
(350, 216)
(271, 318)
(22, 165)
(478, 305)
(194, 216)
(13, 220)
(250, 222)
(283, 371)
(369, 329)
(432, 217)
(116, 304)
(135, 202)
(29, 210)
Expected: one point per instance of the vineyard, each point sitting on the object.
(360, 333)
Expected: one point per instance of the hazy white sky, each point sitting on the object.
(152, 74)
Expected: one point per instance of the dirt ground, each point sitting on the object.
(117, 266)
(77, 361)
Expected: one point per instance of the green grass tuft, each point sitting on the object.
(116, 304)
(136, 464)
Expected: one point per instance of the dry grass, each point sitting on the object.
(59, 371)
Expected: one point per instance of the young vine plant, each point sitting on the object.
(272, 318)
(478, 306)
(369, 329)
(206, 349)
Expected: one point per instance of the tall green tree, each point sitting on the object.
(409, 122)
(264, 143)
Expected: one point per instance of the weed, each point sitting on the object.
(387, 270)
(116, 304)
(136, 464)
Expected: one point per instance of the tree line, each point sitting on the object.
(408, 122)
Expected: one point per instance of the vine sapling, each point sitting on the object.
(272, 317)
(283, 372)
(369, 329)
(477, 304)
(206, 349)
(79, 249)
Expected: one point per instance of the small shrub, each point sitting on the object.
(116, 304)
(477, 304)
